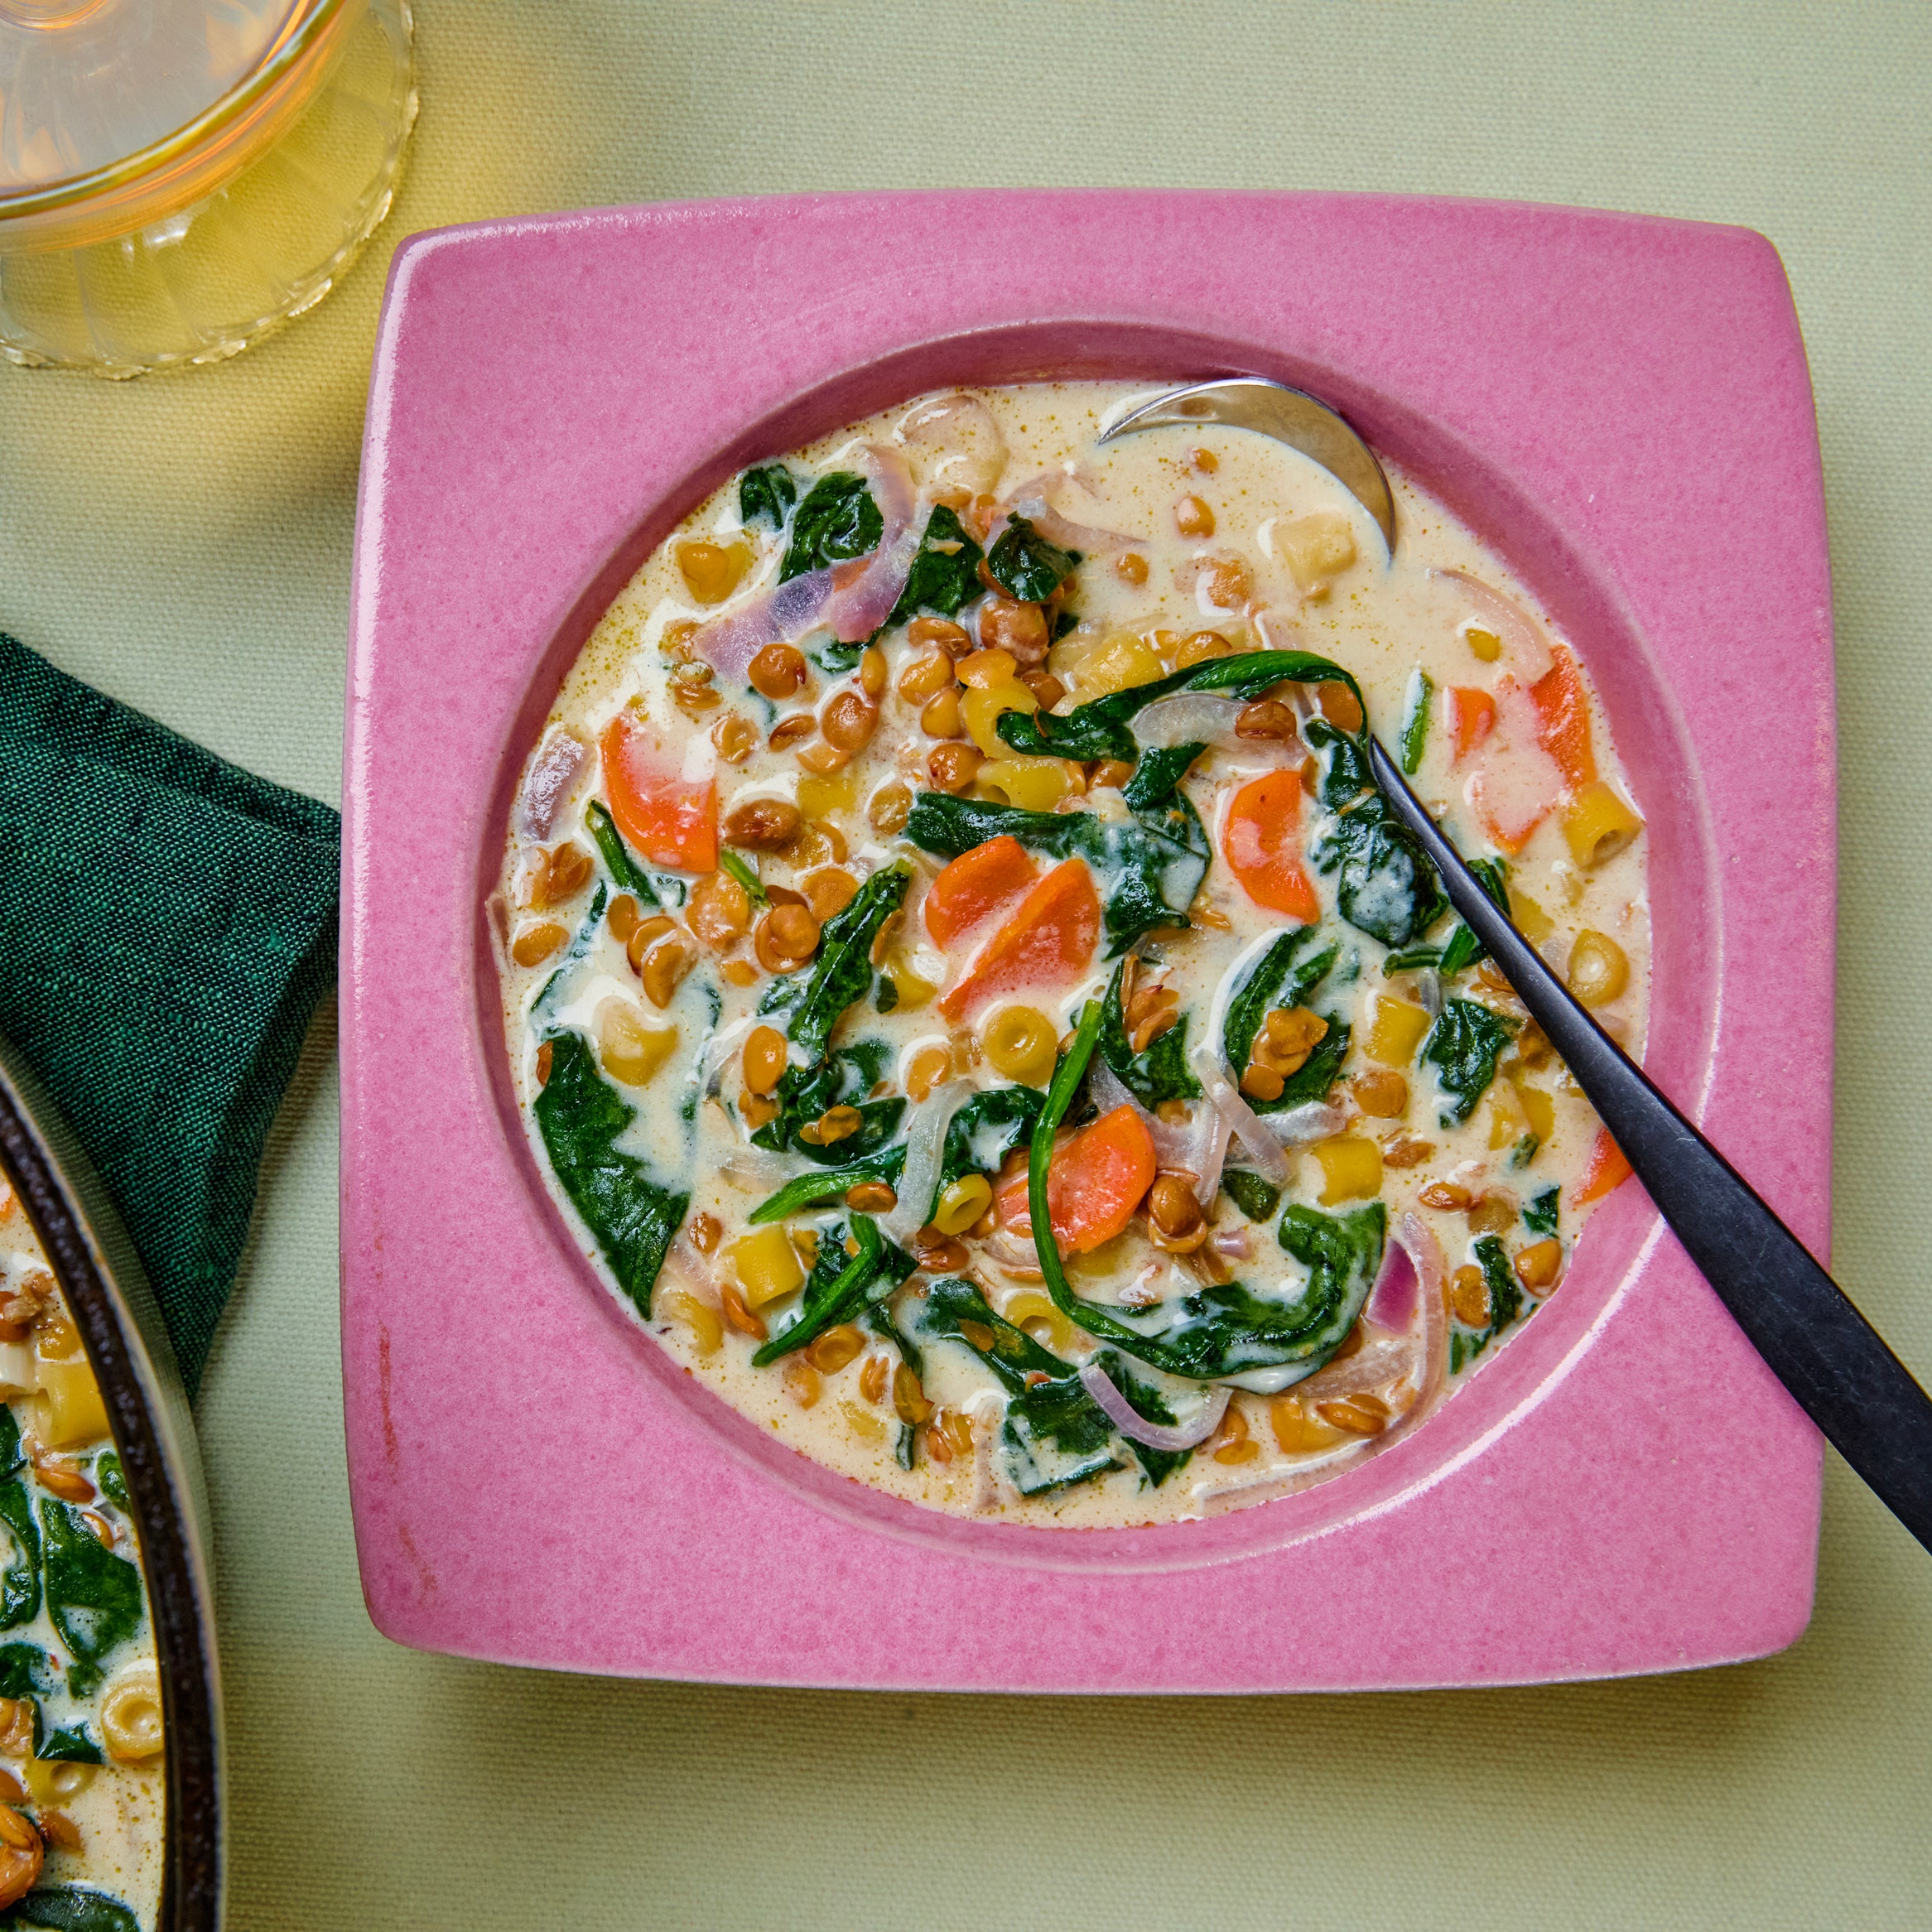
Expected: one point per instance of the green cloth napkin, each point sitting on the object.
(168, 923)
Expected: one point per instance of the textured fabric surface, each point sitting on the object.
(168, 923)
(184, 543)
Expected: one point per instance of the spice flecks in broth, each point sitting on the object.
(956, 798)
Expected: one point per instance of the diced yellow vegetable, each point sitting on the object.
(1532, 922)
(1315, 549)
(1119, 663)
(866, 1423)
(1508, 1122)
(1485, 645)
(913, 991)
(1395, 1030)
(1539, 1111)
(1351, 1168)
(819, 797)
(705, 1324)
(767, 1266)
(629, 1050)
(981, 708)
(72, 1411)
(1034, 784)
(16, 1369)
(1597, 825)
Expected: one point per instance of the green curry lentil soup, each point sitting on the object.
(970, 1004)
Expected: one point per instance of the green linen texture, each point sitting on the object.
(167, 924)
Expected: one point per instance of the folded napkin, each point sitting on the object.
(168, 923)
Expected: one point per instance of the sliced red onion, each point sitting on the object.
(1263, 1149)
(1029, 500)
(925, 1159)
(1198, 1148)
(559, 760)
(1426, 1252)
(1192, 717)
(728, 644)
(1512, 622)
(1391, 1303)
(1429, 990)
(1155, 1435)
(857, 608)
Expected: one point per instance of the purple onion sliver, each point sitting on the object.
(1152, 1435)
(1391, 1303)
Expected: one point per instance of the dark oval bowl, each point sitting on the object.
(120, 1325)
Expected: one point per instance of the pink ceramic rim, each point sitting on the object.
(1626, 1488)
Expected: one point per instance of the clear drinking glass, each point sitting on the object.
(178, 177)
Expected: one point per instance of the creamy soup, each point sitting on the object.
(973, 1005)
(82, 1791)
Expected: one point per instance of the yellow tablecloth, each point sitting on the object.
(184, 542)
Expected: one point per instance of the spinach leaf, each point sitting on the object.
(1462, 948)
(1463, 1046)
(581, 1118)
(1387, 887)
(1415, 719)
(93, 1596)
(1026, 565)
(837, 521)
(1218, 1330)
(630, 876)
(942, 579)
(769, 492)
(1148, 866)
(839, 1286)
(27, 1675)
(1505, 1305)
(820, 1190)
(71, 1746)
(740, 869)
(20, 1581)
(1539, 1216)
(842, 1080)
(1057, 1410)
(579, 945)
(70, 1908)
(987, 1128)
(1159, 1072)
(1100, 728)
(842, 975)
(1256, 1199)
(106, 1474)
(1287, 976)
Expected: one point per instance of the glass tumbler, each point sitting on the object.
(178, 177)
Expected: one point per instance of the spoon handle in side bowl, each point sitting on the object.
(1815, 1341)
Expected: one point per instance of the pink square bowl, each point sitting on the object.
(1621, 405)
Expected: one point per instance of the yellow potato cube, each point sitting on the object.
(819, 797)
(1352, 1170)
(1539, 1109)
(767, 1266)
(980, 708)
(1120, 664)
(1395, 1030)
(630, 1049)
(1035, 784)
(1597, 825)
(1508, 1122)
(71, 1408)
(1315, 549)
(1531, 921)
(705, 1324)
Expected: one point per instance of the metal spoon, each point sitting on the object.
(1288, 415)
(1817, 1343)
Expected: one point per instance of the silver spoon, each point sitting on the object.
(1290, 417)
(1816, 1342)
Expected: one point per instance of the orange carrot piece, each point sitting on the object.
(671, 819)
(1471, 718)
(1049, 937)
(975, 884)
(1263, 846)
(1563, 712)
(1606, 1171)
(1095, 1181)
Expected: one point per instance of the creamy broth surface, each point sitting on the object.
(1415, 1243)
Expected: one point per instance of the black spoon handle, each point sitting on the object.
(1817, 1343)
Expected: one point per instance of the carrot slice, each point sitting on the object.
(1262, 846)
(671, 819)
(1563, 712)
(975, 885)
(1606, 1171)
(1049, 936)
(1471, 718)
(1095, 1182)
